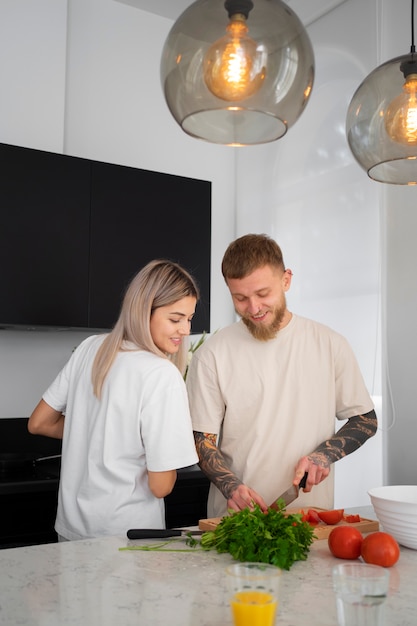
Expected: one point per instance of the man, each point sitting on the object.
(265, 391)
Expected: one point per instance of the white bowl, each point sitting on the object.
(396, 509)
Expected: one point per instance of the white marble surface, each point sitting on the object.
(92, 583)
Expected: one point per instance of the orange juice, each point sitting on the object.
(253, 608)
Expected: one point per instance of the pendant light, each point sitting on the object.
(237, 72)
(381, 124)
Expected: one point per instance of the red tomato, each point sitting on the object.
(352, 519)
(345, 542)
(313, 517)
(305, 517)
(380, 549)
(331, 517)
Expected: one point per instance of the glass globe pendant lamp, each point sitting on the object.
(381, 123)
(237, 72)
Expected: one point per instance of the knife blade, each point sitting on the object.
(160, 533)
(291, 493)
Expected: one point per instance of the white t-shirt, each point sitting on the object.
(272, 402)
(141, 422)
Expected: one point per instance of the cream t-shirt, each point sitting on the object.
(270, 403)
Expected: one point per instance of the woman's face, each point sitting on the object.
(170, 324)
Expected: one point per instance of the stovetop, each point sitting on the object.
(42, 476)
(24, 476)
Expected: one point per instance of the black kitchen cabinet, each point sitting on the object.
(28, 493)
(28, 517)
(75, 231)
(28, 500)
(138, 216)
(44, 238)
(187, 503)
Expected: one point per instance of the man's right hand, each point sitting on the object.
(244, 497)
(212, 462)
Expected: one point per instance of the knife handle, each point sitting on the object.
(152, 533)
(303, 481)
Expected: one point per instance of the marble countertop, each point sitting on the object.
(93, 583)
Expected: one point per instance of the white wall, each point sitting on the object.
(32, 72)
(399, 289)
(400, 348)
(305, 190)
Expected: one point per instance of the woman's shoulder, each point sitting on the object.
(150, 365)
(87, 347)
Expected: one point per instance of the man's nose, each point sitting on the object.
(253, 305)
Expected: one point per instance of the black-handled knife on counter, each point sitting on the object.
(290, 494)
(160, 533)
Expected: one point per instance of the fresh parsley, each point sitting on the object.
(273, 537)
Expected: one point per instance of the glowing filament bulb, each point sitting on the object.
(401, 117)
(234, 66)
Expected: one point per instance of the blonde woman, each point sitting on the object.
(121, 409)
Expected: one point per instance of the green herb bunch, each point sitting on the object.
(271, 537)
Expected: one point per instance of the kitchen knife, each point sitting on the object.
(290, 494)
(160, 533)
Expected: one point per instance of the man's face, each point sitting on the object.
(259, 299)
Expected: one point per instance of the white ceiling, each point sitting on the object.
(307, 10)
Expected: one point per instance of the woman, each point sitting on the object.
(121, 409)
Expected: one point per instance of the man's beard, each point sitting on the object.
(265, 332)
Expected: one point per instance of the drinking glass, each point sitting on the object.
(360, 591)
(254, 593)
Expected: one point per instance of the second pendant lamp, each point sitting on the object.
(381, 123)
(237, 72)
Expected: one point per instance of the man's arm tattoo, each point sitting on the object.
(213, 465)
(349, 438)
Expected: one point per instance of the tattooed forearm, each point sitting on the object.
(349, 438)
(213, 465)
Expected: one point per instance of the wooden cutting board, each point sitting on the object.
(321, 531)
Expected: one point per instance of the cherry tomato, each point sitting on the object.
(352, 519)
(380, 549)
(331, 517)
(345, 542)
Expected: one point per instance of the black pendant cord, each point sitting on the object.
(409, 66)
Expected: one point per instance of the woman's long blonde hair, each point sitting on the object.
(158, 284)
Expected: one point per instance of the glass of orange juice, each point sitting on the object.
(254, 593)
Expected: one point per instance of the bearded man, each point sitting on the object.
(266, 391)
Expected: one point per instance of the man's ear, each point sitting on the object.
(287, 277)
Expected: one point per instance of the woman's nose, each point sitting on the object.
(185, 328)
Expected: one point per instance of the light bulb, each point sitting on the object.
(401, 116)
(234, 66)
